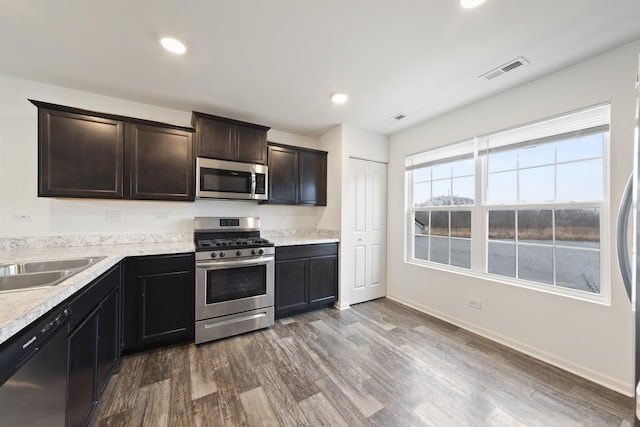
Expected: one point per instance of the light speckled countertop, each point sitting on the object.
(18, 309)
(301, 237)
(294, 241)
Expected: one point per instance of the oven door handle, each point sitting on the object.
(220, 265)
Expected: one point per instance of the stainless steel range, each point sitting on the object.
(234, 277)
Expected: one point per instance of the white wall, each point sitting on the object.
(331, 142)
(342, 142)
(18, 175)
(592, 340)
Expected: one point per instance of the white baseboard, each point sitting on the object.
(567, 365)
(340, 306)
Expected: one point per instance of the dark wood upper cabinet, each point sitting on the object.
(161, 163)
(283, 175)
(79, 155)
(89, 154)
(215, 139)
(251, 144)
(227, 139)
(312, 178)
(297, 176)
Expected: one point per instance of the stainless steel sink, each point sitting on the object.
(45, 266)
(41, 274)
(33, 280)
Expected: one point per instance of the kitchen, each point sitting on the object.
(585, 351)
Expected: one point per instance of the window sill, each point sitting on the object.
(561, 292)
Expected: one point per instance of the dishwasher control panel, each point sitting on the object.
(14, 352)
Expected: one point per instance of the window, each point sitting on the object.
(443, 192)
(540, 201)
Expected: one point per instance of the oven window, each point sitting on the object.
(225, 181)
(236, 283)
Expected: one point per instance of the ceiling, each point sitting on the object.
(276, 62)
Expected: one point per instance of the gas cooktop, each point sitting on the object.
(214, 233)
(233, 243)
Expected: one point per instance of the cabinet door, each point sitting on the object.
(291, 286)
(108, 351)
(81, 383)
(216, 139)
(323, 280)
(161, 163)
(283, 175)
(251, 145)
(158, 301)
(79, 155)
(313, 179)
(167, 304)
(130, 303)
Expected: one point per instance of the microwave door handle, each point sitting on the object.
(253, 184)
(221, 265)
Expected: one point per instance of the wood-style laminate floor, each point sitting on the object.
(376, 364)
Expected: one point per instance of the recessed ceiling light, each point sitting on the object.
(173, 45)
(339, 98)
(468, 4)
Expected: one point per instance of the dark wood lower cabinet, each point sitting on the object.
(81, 394)
(291, 286)
(306, 278)
(158, 301)
(108, 339)
(323, 280)
(93, 345)
(141, 303)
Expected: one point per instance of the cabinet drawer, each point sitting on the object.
(162, 264)
(84, 304)
(306, 251)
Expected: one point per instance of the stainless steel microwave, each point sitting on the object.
(223, 179)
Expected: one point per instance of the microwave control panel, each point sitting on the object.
(261, 183)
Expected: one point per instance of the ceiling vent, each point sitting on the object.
(509, 66)
(395, 118)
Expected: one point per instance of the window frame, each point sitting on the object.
(480, 216)
(464, 151)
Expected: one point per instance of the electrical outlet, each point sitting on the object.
(161, 216)
(113, 217)
(23, 217)
(474, 303)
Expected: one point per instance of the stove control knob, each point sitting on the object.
(238, 253)
(221, 254)
(213, 254)
(253, 252)
(260, 251)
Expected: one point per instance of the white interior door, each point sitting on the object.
(367, 210)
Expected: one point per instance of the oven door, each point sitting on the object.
(228, 287)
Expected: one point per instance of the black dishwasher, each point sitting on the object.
(33, 367)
